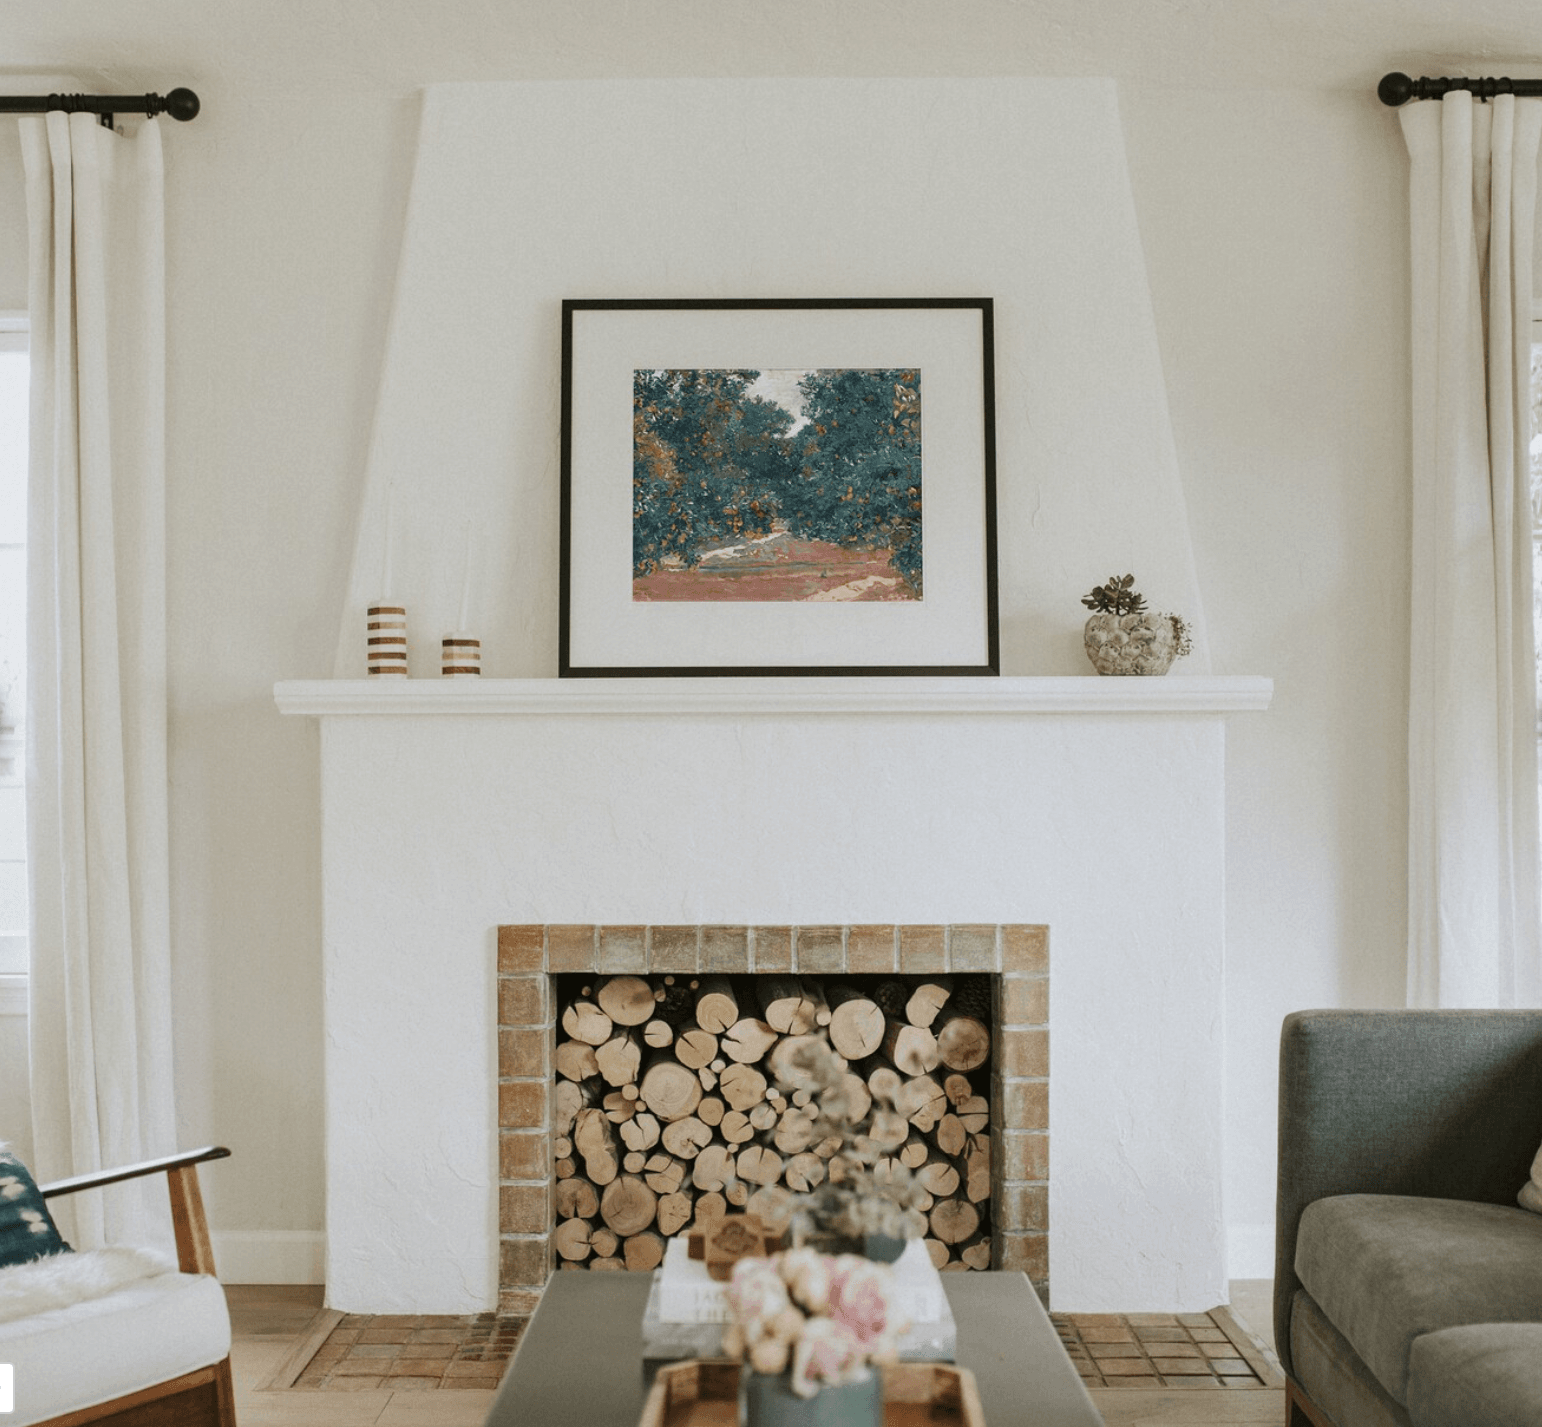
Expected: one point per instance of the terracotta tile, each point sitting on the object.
(1227, 1366)
(376, 1336)
(1152, 1320)
(522, 1209)
(365, 1358)
(494, 1371)
(1023, 1052)
(412, 1384)
(1024, 1104)
(462, 1384)
(521, 1051)
(425, 1352)
(437, 1335)
(524, 1154)
(923, 949)
(1180, 1367)
(1210, 1335)
(521, 948)
(1174, 1334)
(870, 950)
(523, 1261)
(1125, 1367)
(821, 951)
(311, 1377)
(1028, 1252)
(773, 949)
(354, 1384)
(1114, 1350)
(570, 948)
(1024, 1156)
(1096, 1333)
(672, 949)
(623, 949)
(522, 1104)
(725, 951)
(1024, 1001)
(1023, 1206)
(972, 948)
(1025, 948)
(522, 1000)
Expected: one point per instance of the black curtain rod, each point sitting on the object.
(1396, 89)
(179, 103)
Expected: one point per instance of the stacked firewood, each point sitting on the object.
(666, 1110)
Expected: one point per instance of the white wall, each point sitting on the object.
(1275, 243)
(1274, 231)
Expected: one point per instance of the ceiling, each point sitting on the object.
(402, 44)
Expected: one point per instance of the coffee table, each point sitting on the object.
(580, 1361)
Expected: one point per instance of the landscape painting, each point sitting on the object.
(776, 484)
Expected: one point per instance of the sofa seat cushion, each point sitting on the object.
(92, 1352)
(1387, 1268)
(1484, 1373)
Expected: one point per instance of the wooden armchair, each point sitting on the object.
(203, 1397)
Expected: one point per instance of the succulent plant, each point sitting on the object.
(1118, 596)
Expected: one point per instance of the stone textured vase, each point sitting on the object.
(769, 1401)
(1130, 643)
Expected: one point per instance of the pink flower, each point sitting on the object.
(860, 1300)
(756, 1293)
(807, 1274)
(826, 1351)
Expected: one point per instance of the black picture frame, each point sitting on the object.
(607, 630)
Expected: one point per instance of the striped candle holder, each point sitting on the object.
(460, 657)
(387, 643)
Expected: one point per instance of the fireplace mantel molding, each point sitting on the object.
(1174, 694)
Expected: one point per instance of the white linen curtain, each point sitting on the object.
(1474, 935)
(96, 715)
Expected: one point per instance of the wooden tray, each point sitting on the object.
(704, 1392)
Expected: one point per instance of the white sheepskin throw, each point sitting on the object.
(59, 1280)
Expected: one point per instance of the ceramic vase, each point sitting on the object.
(1130, 643)
(767, 1400)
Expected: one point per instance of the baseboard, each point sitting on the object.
(270, 1255)
(1250, 1250)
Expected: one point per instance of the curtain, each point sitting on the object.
(96, 715)
(1474, 937)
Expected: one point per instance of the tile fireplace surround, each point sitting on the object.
(1095, 807)
(529, 956)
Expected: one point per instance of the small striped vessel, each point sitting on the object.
(387, 645)
(460, 657)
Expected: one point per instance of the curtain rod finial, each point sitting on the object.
(183, 104)
(1395, 89)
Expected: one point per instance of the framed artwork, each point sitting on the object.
(778, 487)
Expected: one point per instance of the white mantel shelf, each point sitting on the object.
(1174, 694)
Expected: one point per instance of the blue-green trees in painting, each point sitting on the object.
(714, 463)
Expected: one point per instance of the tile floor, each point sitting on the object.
(272, 1324)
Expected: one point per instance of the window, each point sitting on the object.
(13, 641)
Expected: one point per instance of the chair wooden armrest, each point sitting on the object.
(195, 1254)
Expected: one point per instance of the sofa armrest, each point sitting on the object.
(1441, 1104)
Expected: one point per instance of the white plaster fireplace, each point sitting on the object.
(1095, 806)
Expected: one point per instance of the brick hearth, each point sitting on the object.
(529, 956)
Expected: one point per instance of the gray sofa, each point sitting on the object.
(1407, 1281)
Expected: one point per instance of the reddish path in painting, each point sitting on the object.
(784, 570)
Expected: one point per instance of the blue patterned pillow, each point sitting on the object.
(27, 1229)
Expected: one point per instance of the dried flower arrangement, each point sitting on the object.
(820, 1318)
(857, 1124)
